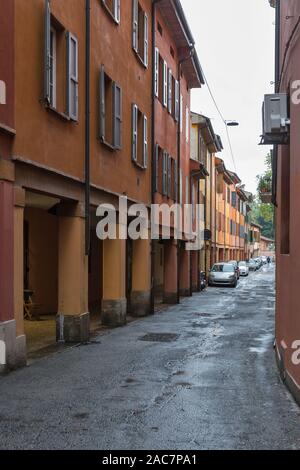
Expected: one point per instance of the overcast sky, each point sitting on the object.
(235, 44)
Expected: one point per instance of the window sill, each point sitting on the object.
(111, 147)
(140, 59)
(110, 13)
(138, 165)
(62, 116)
(7, 129)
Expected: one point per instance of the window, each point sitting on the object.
(52, 72)
(156, 73)
(187, 130)
(139, 151)
(165, 84)
(233, 199)
(110, 111)
(170, 91)
(2, 92)
(181, 114)
(159, 28)
(176, 94)
(113, 7)
(60, 94)
(140, 32)
(165, 174)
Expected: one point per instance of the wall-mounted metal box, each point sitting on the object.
(275, 119)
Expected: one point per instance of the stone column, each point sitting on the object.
(19, 259)
(141, 278)
(185, 273)
(114, 302)
(12, 344)
(170, 273)
(72, 324)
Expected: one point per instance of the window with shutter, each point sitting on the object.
(145, 141)
(169, 190)
(47, 52)
(156, 73)
(113, 8)
(170, 86)
(181, 113)
(146, 40)
(110, 112)
(72, 77)
(177, 105)
(175, 195)
(117, 116)
(156, 170)
(165, 84)
(140, 32)
(165, 174)
(135, 25)
(134, 150)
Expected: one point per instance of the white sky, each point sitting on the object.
(235, 44)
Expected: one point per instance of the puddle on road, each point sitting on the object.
(264, 344)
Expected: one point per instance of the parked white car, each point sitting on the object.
(244, 269)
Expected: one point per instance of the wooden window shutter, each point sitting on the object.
(135, 25)
(145, 142)
(156, 73)
(102, 104)
(72, 77)
(146, 40)
(47, 52)
(117, 94)
(134, 132)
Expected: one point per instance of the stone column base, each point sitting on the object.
(114, 312)
(170, 298)
(12, 347)
(185, 293)
(140, 304)
(73, 328)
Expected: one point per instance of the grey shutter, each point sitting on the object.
(135, 25)
(165, 84)
(117, 95)
(170, 83)
(177, 100)
(175, 181)
(47, 52)
(169, 176)
(156, 167)
(134, 132)
(117, 10)
(156, 73)
(72, 77)
(102, 104)
(165, 173)
(146, 42)
(145, 142)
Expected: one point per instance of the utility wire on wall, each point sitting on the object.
(224, 120)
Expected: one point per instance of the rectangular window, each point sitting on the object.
(140, 32)
(170, 91)
(110, 111)
(169, 176)
(187, 130)
(177, 104)
(139, 152)
(175, 169)
(72, 77)
(60, 67)
(113, 7)
(156, 169)
(181, 113)
(165, 174)
(52, 71)
(165, 84)
(156, 73)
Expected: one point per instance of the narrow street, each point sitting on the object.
(206, 379)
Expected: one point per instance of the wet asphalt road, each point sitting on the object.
(214, 386)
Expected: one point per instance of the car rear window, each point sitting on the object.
(223, 268)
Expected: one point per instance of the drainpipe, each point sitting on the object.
(152, 297)
(191, 52)
(87, 126)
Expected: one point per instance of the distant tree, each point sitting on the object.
(263, 214)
